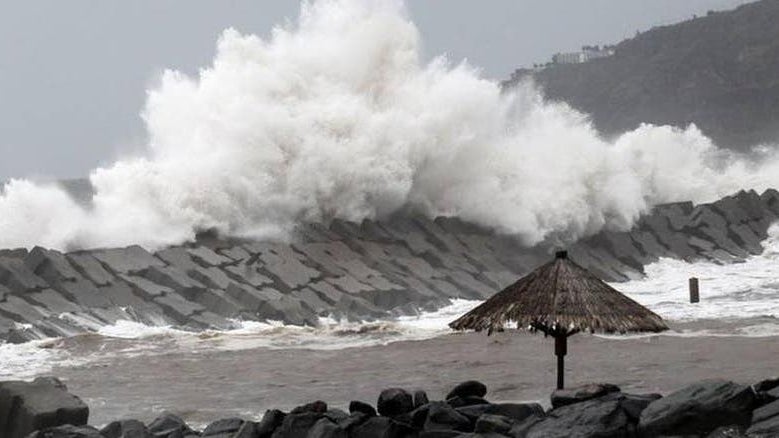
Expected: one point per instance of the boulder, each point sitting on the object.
(394, 401)
(354, 419)
(325, 428)
(493, 423)
(515, 411)
(297, 425)
(224, 427)
(66, 431)
(765, 412)
(601, 417)
(563, 397)
(420, 398)
(318, 407)
(365, 408)
(634, 404)
(470, 388)
(441, 416)
(125, 429)
(44, 403)
(699, 409)
(248, 430)
(270, 421)
(169, 426)
(764, 429)
(763, 390)
(380, 427)
(457, 402)
(727, 432)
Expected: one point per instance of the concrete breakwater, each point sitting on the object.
(711, 408)
(371, 270)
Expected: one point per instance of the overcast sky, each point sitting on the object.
(73, 74)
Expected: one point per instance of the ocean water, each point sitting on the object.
(740, 299)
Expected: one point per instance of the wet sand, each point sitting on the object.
(207, 385)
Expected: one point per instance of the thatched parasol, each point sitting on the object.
(561, 299)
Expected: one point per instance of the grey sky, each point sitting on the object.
(73, 74)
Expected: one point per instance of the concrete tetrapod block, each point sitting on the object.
(127, 260)
(248, 274)
(26, 407)
(50, 265)
(206, 257)
(17, 277)
(84, 293)
(90, 267)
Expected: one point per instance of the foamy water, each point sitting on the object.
(738, 290)
(336, 116)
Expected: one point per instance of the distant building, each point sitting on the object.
(588, 53)
(568, 58)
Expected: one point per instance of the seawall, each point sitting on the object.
(356, 271)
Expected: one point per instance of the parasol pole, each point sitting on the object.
(560, 350)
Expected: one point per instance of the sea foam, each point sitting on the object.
(337, 116)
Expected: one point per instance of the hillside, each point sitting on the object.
(720, 71)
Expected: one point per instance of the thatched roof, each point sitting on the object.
(561, 297)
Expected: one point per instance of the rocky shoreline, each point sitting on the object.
(366, 271)
(710, 408)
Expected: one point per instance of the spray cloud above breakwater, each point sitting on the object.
(336, 116)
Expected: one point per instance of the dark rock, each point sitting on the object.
(493, 423)
(515, 411)
(380, 427)
(365, 408)
(727, 432)
(481, 435)
(473, 412)
(169, 426)
(325, 428)
(699, 409)
(297, 425)
(763, 388)
(224, 426)
(270, 422)
(470, 388)
(420, 398)
(354, 419)
(441, 416)
(247, 430)
(765, 412)
(318, 407)
(336, 415)
(564, 397)
(440, 434)
(394, 401)
(418, 416)
(521, 429)
(602, 417)
(764, 429)
(66, 431)
(457, 402)
(45, 403)
(126, 429)
(634, 404)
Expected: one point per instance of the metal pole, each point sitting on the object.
(560, 350)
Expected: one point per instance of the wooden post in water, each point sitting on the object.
(694, 294)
